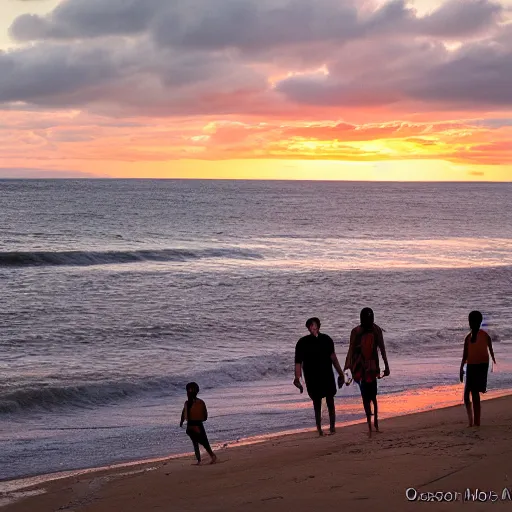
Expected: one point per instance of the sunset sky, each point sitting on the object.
(268, 89)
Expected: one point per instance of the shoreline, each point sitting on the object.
(15, 492)
(330, 471)
(30, 480)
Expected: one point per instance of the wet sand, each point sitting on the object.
(431, 451)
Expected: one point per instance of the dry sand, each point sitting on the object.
(430, 451)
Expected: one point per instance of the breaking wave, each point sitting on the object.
(86, 258)
(91, 394)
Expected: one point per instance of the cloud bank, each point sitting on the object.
(157, 80)
(204, 57)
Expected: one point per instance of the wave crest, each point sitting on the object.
(86, 258)
(247, 369)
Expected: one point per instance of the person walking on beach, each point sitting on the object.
(363, 360)
(315, 355)
(195, 413)
(477, 346)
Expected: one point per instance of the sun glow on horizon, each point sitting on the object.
(341, 91)
(282, 169)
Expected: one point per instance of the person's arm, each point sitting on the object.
(491, 351)
(298, 367)
(382, 348)
(183, 415)
(205, 412)
(341, 375)
(464, 359)
(336, 363)
(348, 359)
(298, 375)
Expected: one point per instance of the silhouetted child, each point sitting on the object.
(477, 346)
(195, 413)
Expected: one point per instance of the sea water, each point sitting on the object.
(116, 293)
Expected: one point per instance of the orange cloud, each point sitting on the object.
(83, 137)
(153, 82)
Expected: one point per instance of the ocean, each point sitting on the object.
(116, 293)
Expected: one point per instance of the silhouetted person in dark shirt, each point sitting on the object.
(315, 355)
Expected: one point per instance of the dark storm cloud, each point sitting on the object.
(73, 19)
(458, 18)
(45, 71)
(131, 74)
(478, 73)
(249, 24)
(174, 57)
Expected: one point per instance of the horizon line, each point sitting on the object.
(99, 178)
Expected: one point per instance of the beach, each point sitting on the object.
(417, 454)
(229, 223)
(218, 231)
(109, 310)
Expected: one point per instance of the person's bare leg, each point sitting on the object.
(375, 414)
(368, 411)
(332, 414)
(469, 408)
(317, 405)
(212, 455)
(469, 411)
(197, 453)
(477, 408)
(206, 444)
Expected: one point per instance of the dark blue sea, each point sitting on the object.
(115, 294)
